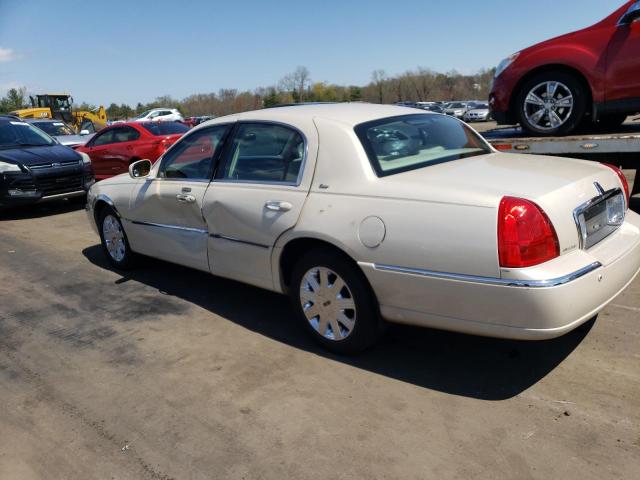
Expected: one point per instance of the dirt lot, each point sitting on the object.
(167, 373)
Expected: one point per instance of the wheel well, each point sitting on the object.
(98, 208)
(552, 68)
(296, 248)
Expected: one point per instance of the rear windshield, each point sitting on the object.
(57, 129)
(165, 128)
(409, 142)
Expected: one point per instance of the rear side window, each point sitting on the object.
(125, 134)
(165, 128)
(263, 152)
(408, 142)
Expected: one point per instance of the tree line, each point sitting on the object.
(417, 85)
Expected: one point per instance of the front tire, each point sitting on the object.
(114, 240)
(334, 301)
(551, 103)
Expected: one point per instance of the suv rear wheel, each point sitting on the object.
(551, 103)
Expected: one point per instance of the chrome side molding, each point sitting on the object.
(505, 282)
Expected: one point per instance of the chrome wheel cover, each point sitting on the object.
(327, 303)
(113, 238)
(548, 105)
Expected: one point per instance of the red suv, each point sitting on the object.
(592, 75)
(114, 148)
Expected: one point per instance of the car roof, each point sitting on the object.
(349, 113)
(43, 120)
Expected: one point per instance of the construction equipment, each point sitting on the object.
(60, 106)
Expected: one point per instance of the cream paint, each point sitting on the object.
(440, 218)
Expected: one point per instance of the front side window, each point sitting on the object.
(193, 157)
(125, 134)
(265, 153)
(399, 144)
(103, 138)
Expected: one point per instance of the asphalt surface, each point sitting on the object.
(168, 373)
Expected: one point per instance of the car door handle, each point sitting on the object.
(182, 198)
(277, 206)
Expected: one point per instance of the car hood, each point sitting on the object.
(73, 139)
(37, 155)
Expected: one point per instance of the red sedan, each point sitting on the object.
(590, 75)
(114, 148)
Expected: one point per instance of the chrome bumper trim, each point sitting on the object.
(77, 193)
(504, 282)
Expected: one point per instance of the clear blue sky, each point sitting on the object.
(134, 50)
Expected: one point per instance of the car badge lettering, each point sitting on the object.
(56, 165)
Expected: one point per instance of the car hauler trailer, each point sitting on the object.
(621, 148)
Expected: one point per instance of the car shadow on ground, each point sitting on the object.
(44, 209)
(634, 203)
(483, 368)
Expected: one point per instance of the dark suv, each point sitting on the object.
(34, 167)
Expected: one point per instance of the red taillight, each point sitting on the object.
(623, 180)
(526, 236)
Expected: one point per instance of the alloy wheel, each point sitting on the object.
(327, 303)
(114, 238)
(548, 105)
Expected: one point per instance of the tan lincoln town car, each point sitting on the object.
(370, 213)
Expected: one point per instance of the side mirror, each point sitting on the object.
(84, 132)
(140, 169)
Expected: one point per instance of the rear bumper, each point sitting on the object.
(517, 312)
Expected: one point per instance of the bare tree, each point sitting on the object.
(297, 83)
(378, 79)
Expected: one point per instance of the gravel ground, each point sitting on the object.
(168, 373)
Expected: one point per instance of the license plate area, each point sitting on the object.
(600, 217)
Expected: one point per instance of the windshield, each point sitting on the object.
(165, 128)
(56, 129)
(144, 114)
(481, 106)
(409, 142)
(456, 105)
(17, 134)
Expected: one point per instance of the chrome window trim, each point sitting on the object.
(237, 240)
(591, 202)
(504, 282)
(298, 181)
(201, 231)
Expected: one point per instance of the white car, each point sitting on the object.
(364, 213)
(160, 115)
(456, 109)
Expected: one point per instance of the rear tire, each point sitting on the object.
(114, 240)
(334, 301)
(551, 103)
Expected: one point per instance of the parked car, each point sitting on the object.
(592, 75)
(366, 212)
(430, 107)
(456, 109)
(63, 133)
(478, 112)
(160, 115)
(35, 168)
(114, 148)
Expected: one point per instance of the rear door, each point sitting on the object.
(257, 195)
(165, 218)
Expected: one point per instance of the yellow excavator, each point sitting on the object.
(60, 106)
